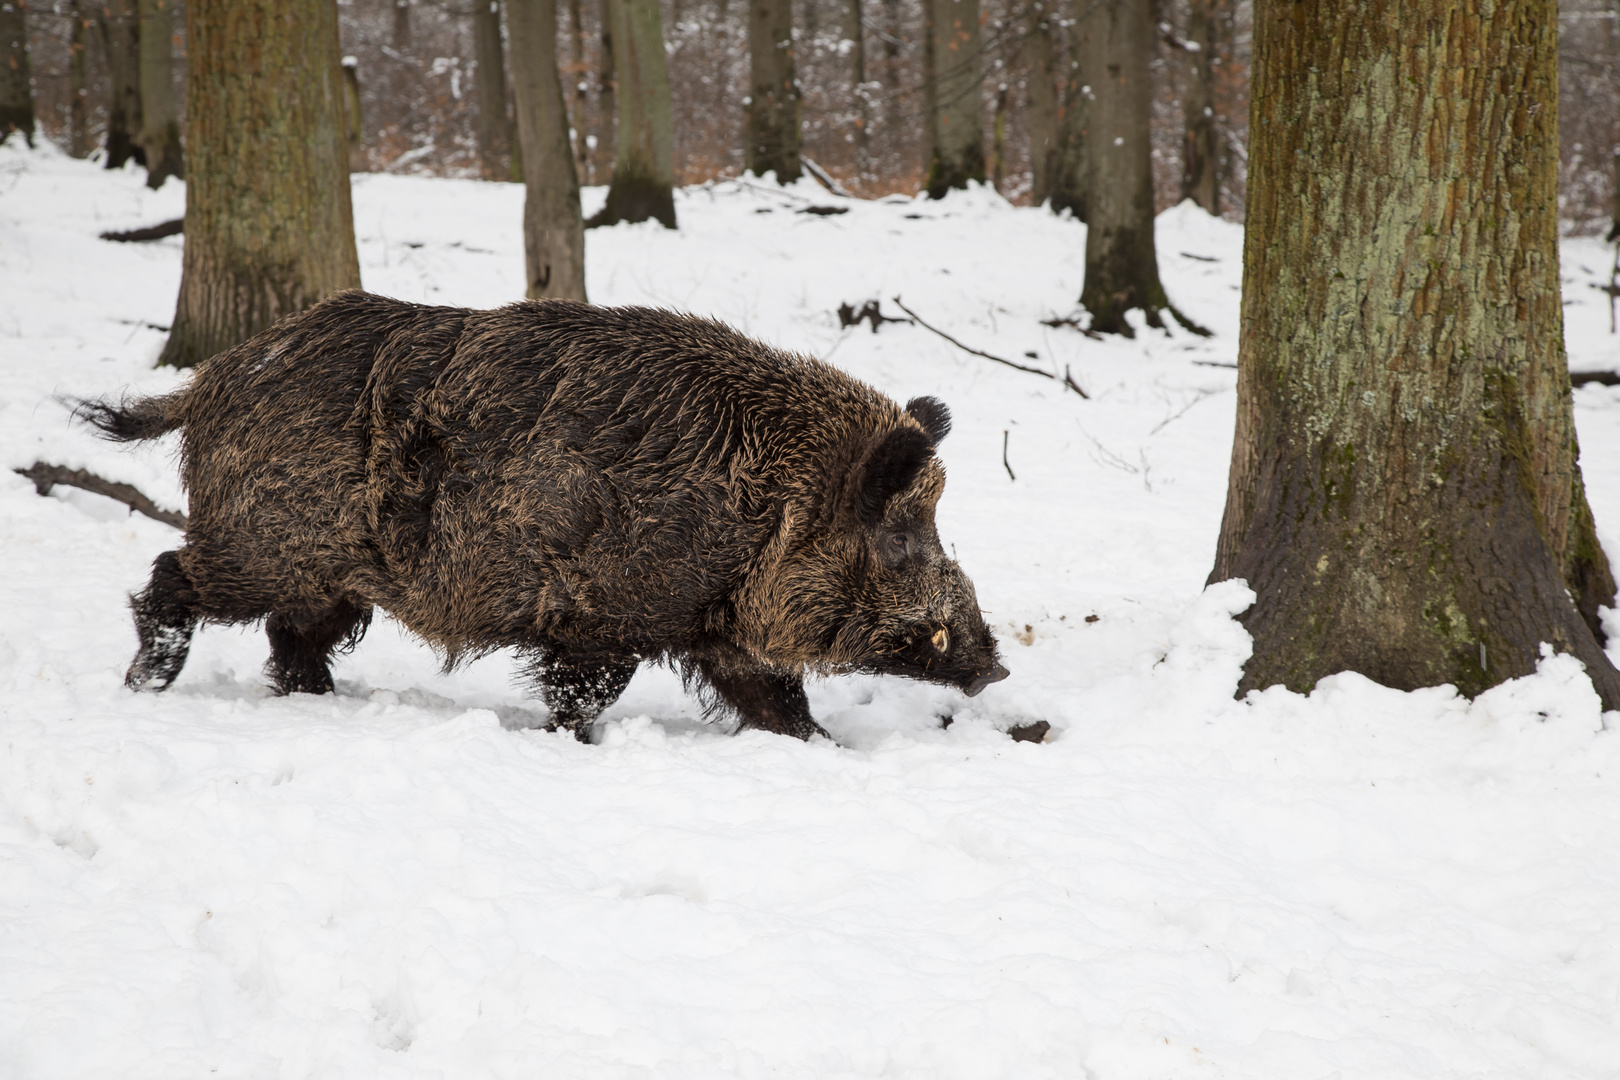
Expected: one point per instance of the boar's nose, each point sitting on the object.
(996, 674)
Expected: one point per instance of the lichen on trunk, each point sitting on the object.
(1404, 496)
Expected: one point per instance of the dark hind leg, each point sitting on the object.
(576, 689)
(301, 647)
(764, 699)
(165, 617)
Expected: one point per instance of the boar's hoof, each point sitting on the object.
(980, 682)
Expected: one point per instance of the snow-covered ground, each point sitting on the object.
(401, 880)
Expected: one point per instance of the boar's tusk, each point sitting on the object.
(942, 639)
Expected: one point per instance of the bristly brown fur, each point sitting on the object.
(592, 486)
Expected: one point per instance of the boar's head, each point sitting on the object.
(903, 606)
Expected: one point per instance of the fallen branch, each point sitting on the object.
(1067, 379)
(151, 232)
(46, 476)
(869, 312)
(1598, 378)
(1214, 363)
(823, 177)
(1058, 321)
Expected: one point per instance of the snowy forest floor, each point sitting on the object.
(405, 880)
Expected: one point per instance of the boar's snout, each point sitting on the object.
(995, 674)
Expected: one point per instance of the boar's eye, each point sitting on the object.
(896, 547)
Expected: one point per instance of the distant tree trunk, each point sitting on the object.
(401, 36)
(120, 39)
(1071, 169)
(354, 121)
(1035, 59)
(269, 226)
(998, 141)
(644, 163)
(607, 108)
(574, 89)
(857, 84)
(957, 124)
(16, 80)
(160, 114)
(553, 231)
(494, 125)
(1200, 174)
(1122, 267)
(78, 86)
(891, 49)
(1404, 497)
(772, 139)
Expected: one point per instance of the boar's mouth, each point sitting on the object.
(979, 682)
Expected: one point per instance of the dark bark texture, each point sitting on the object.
(553, 228)
(643, 185)
(772, 129)
(1200, 165)
(269, 225)
(1036, 55)
(16, 82)
(1404, 497)
(957, 107)
(494, 123)
(121, 45)
(160, 114)
(1122, 267)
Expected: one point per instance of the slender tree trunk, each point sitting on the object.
(1404, 498)
(773, 105)
(16, 80)
(857, 84)
(160, 113)
(1200, 177)
(1035, 59)
(1071, 169)
(998, 141)
(644, 163)
(494, 125)
(269, 226)
(78, 86)
(400, 38)
(957, 126)
(1122, 267)
(575, 89)
(553, 230)
(120, 39)
(354, 121)
(607, 107)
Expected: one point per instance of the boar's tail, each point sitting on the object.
(134, 419)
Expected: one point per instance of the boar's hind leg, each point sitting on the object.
(165, 617)
(577, 689)
(764, 700)
(301, 648)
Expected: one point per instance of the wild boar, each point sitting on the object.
(592, 487)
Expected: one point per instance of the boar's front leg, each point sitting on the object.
(577, 688)
(301, 648)
(764, 699)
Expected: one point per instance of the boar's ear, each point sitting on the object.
(932, 414)
(891, 467)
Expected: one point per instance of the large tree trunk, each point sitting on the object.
(644, 164)
(16, 81)
(494, 125)
(121, 44)
(78, 86)
(160, 114)
(772, 129)
(1035, 59)
(957, 109)
(1200, 171)
(1404, 497)
(553, 231)
(269, 225)
(1122, 267)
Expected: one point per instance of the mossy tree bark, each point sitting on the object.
(553, 230)
(494, 123)
(771, 131)
(1036, 55)
(160, 113)
(1200, 166)
(1122, 266)
(643, 184)
(121, 45)
(1404, 495)
(16, 79)
(269, 225)
(956, 121)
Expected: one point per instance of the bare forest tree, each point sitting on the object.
(119, 23)
(1200, 160)
(494, 123)
(269, 226)
(553, 230)
(160, 115)
(772, 130)
(16, 79)
(1405, 497)
(644, 166)
(955, 95)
